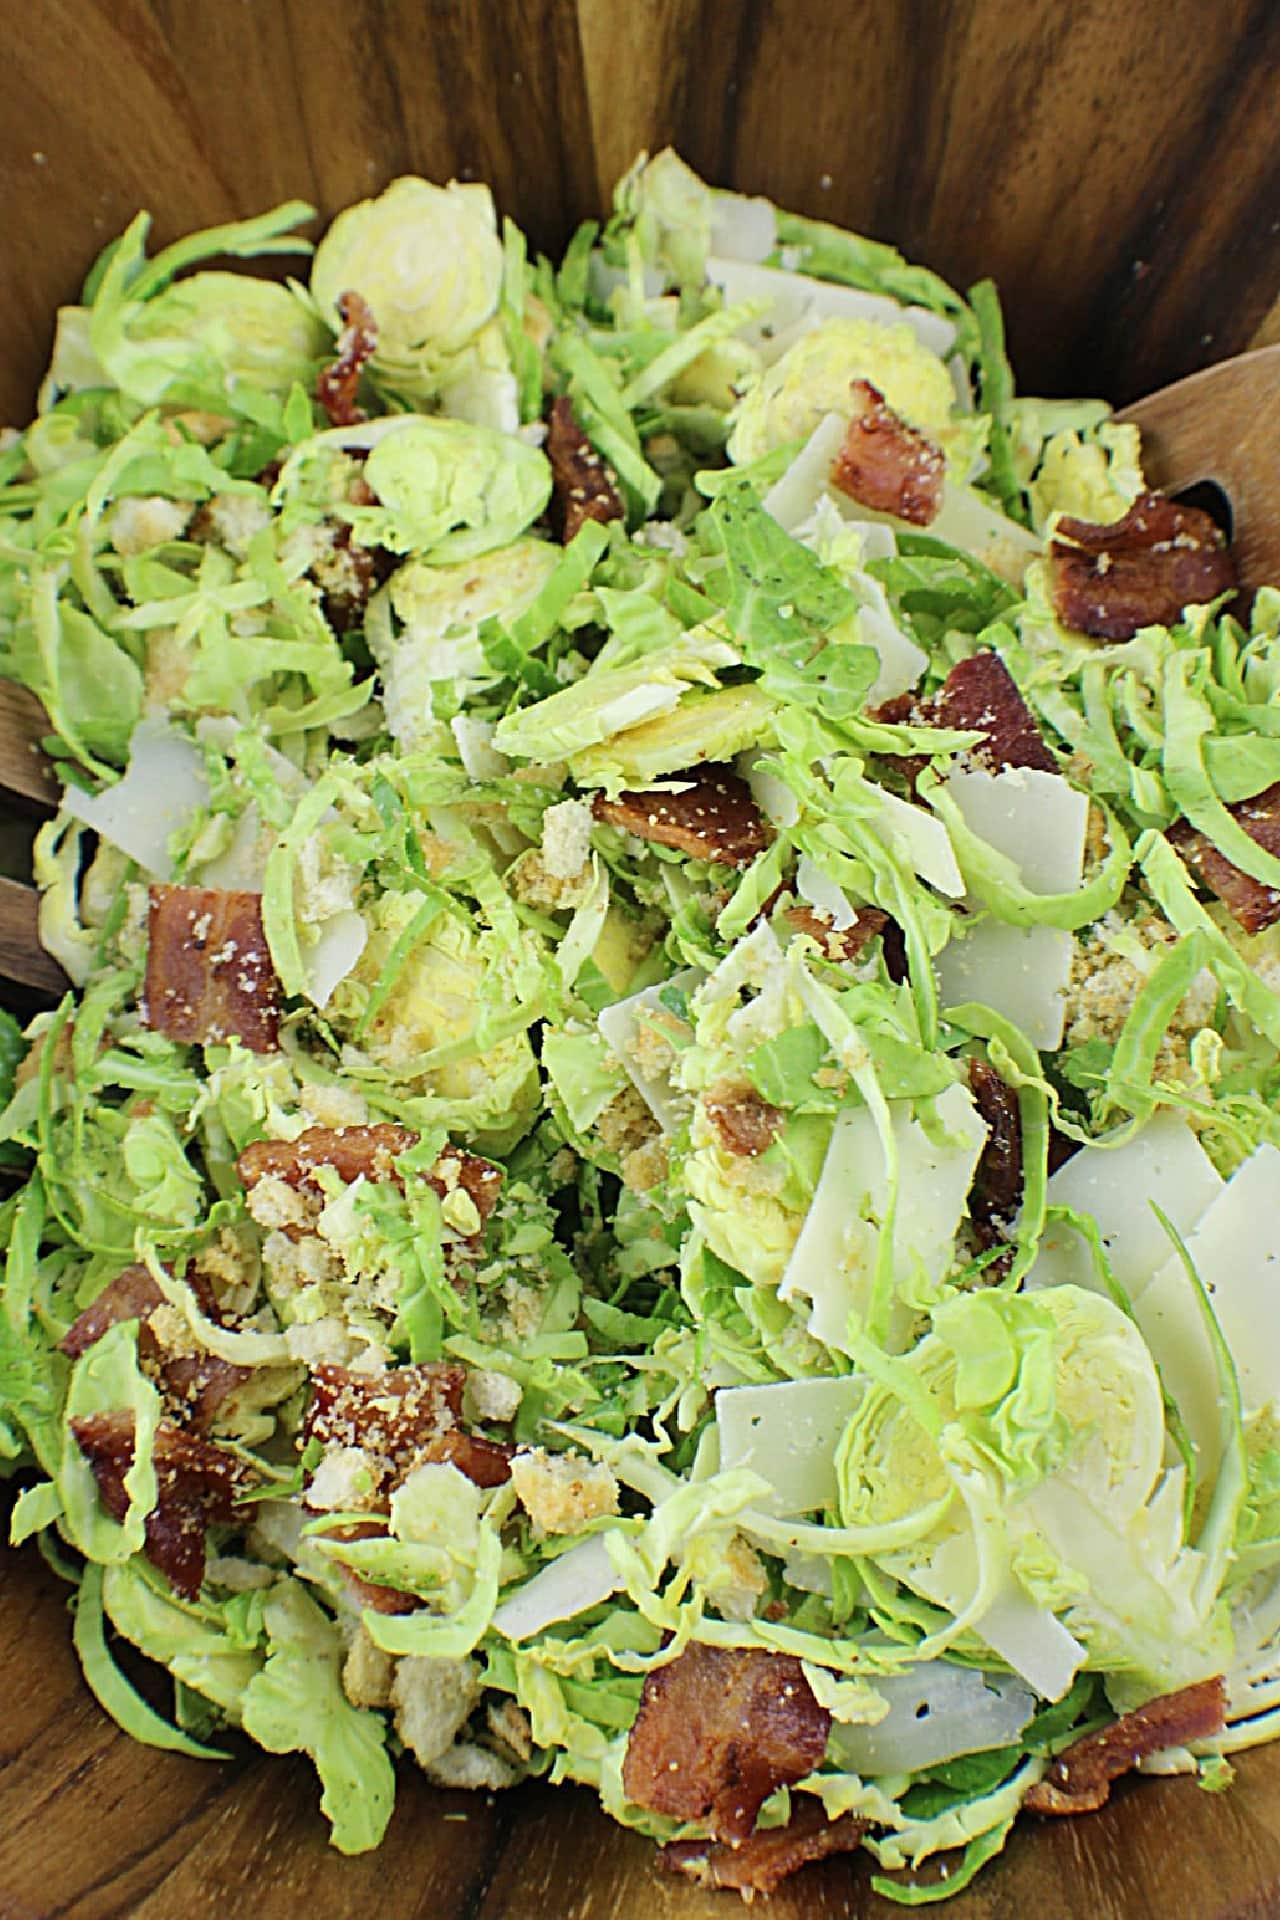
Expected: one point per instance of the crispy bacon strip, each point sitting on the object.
(746, 1124)
(401, 1419)
(712, 817)
(366, 1153)
(997, 1181)
(1080, 1778)
(354, 1153)
(487, 1463)
(392, 1415)
(718, 1731)
(209, 971)
(585, 488)
(337, 383)
(132, 1295)
(887, 465)
(195, 1385)
(1254, 904)
(1140, 571)
(197, 1484)
(838, 943)
(764, 1860)
(980, 694)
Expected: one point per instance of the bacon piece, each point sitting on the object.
(337, 383)
(354, 1153)
(887, 465)
(1079, 1781)
(401, 1419)
(746, 1124)
(487, 1463)
(997, 1181)
(585, 488)
(980, 695)
(712, 817)
(838, 943)
(347, 575)
(366, 1153)
(1140, 571)
(209, 971)
(393, 1416)
(718, 1731)
(194, 1384)
(132, 1295)
(197, 1483)
(763, 1861)
(1254, 904)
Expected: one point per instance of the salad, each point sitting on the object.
(660, 1164)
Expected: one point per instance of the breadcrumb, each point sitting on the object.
(490, 1395)
(626, 1123)
(366, 1672)
(645, 1167)
(346, 1478)
(566, 839)
(142, 521)
(478, 1769)
(562, 1491)
(433, 1698)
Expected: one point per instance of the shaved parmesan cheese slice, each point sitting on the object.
(975, 525)
(834, 1259)
(580, 1578)
(1035, 819)
(163, 786)
(788, 1433)
(1164, 1163)
(798, 302)
(486, 396)
(1029, 1637)
(622, 1024)
(242, 863)
(921, 840)
(474, 739)
(635, 705)
(341, 940)
(773, 796)
(1023, 972)
(901, 661)
(792, 499)
(1236, 1250)
(937, 1712)
(743, 227)
(817, 891)
(1038, 821)
(1032, 1641)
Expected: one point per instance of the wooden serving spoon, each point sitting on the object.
(1222, 425)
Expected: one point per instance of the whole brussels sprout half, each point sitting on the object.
(429, 262)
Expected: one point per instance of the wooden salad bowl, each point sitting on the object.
(1115, 170)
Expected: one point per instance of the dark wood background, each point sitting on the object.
(1115, 167)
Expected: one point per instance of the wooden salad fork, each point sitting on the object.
(1220, 426)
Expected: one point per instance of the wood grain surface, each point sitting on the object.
(1115, 168)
